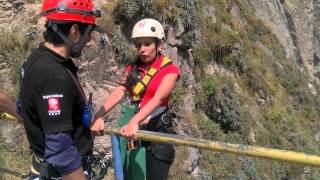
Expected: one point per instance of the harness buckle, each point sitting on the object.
(134, 144)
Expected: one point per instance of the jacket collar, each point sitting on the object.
(67, 62)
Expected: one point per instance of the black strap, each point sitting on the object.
(75, 47)
(76, 81)
(161, 123)
(46, 170)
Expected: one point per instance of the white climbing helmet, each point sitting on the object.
(148, 28)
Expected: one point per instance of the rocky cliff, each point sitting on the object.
(296, 25)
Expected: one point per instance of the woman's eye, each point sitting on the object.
(138, 45)
(147, 44)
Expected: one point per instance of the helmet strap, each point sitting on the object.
(158, 52)
(75, 48)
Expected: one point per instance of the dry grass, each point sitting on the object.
(179, 169)
(107, 20)
(13, 159)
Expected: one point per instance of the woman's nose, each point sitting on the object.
(142, 48)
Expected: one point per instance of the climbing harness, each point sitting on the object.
(141, 85)
(99, 167)
(95, 168)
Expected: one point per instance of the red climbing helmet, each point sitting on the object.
(70, 10)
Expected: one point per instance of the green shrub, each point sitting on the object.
(126, 52)
(209, 129)
(208, 85)
(177, 96)
(188, 12)
(208, 88)
(224, 17)
(229, 62)
(276, 112)
(216, 47)
(202, 54)
(249, 167)
(223, 108)
(292, 79)
(133, 9)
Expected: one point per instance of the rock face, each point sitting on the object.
(8, 9)
(296, 24)
(273, 14)
(14, 135)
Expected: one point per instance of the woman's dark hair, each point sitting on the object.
(53, 37)
(134, 74)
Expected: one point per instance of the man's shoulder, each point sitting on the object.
(42, 65)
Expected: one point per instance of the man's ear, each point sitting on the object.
(73, 30)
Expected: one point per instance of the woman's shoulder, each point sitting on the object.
(172, 68)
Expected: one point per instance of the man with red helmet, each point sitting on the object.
(52, 100)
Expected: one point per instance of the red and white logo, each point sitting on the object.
(54, 108)
(53, 104)
(142, 23)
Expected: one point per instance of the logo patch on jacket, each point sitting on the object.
(53, 104)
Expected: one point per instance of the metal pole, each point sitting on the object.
(8, 116)
(255, 151)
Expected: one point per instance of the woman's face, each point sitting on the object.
(147, 48)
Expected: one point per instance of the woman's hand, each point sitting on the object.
(130, 130)
(97, 127)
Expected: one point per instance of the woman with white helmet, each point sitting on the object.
(149, 82)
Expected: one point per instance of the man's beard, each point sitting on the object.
(76, 50)
(75, 54)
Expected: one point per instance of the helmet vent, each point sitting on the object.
(153, 29)
(69, 10)
(62, 6)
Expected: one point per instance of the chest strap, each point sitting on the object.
(141, 85)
